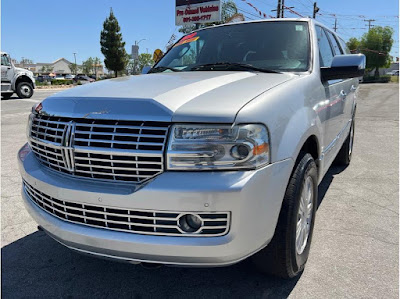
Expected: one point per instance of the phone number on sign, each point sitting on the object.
(197, 18)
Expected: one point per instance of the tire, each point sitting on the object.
(286, 255)
(6, 95)
(24, 90)
(343, 158)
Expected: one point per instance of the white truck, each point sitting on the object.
(15, 79)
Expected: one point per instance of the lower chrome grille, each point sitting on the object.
(147, 222)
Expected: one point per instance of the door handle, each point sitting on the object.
(343, 95)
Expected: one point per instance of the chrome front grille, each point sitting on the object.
(127, 220)
(100, 149)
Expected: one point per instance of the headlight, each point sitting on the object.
(205, 147)
(29, 126)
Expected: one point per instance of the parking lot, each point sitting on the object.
(354, 253)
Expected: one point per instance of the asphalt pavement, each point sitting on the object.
(354, 253)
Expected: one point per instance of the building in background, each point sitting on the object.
(59, 67)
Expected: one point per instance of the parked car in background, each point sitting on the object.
(93, 77)
(59, 77)
(69, 77)
(81, 77)
(212, 157)
(393, 73)
(43, 78)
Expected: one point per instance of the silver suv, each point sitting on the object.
(212, 157)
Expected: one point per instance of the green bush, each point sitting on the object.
(44, 83)
(61, 82)
(372, 79)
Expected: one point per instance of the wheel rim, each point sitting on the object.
(25, 90)
(304, 215)
(351, 138)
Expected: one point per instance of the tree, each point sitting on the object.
(26, 61)
(135, 66)
(96, 64)
(73, 67)
(145, 59)
(353, 45)
(376, 45)
(88, 66)
(228, 11)
(112, 45)
(46, 69)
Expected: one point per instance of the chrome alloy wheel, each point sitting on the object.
(26, 90)
(304, 215)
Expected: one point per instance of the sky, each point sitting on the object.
(45, 30)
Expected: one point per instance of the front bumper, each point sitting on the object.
(254, 199)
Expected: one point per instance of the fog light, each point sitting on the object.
(240, 151)
(190, 223)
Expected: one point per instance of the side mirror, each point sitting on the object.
(146, 69)
(344, 67)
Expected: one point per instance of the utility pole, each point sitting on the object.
(316, 9)
(278, 9)
(335, 28)
(283, 8)
(76, 66)
(369, 23)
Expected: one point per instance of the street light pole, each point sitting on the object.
(135, 59)
(76, 66)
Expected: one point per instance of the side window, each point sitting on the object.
(5, 61)
(336, 48)
(344, 46)
(325, 50)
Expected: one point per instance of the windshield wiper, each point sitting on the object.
(242, 66)
(160, 69)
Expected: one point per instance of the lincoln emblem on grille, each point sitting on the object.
(67, 146)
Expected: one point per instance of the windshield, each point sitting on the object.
(276, 46)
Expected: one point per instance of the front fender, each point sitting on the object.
(19, 75)
(289, 114)
(303, 124)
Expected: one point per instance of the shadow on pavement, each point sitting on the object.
(327, 180)
(37, 266)
(14, 97)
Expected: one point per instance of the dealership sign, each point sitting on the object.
(197, 11)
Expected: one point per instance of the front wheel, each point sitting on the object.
(24, 90)
(288, 251)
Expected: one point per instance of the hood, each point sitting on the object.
(173, 97)
(21, 70)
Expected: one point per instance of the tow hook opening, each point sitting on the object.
(151, 265)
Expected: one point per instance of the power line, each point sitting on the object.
(249, 14)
